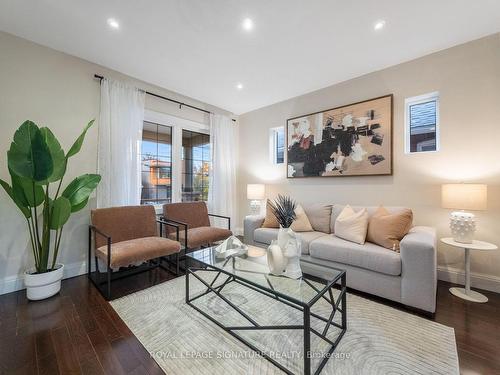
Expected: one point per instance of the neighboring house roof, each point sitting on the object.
(423, 117)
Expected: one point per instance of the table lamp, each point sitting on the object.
(255, 193)
(463, 197)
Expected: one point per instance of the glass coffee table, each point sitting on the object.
(326, 324)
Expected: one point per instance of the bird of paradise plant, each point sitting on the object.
(36, 164)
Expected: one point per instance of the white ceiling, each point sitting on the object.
(198, 48)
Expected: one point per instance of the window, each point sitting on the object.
(277, 145)
(196, 165)
(156, 164)
(422, 123)
(175, 158)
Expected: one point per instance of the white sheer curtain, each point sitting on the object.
(120, 134)
(222, 186)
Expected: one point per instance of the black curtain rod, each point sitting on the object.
(168, 99)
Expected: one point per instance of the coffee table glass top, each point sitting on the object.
(251, 268)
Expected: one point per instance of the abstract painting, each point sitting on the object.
(352, 140)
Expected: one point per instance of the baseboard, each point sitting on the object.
(478, 280)
(452, 275)
(15, 283)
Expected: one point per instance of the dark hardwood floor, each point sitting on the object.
(77, 331)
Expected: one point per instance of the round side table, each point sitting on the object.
(466, 293)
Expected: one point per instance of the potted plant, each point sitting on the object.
(283, 255)
(37, 164)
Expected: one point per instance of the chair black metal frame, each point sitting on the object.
(223, 217)
(186, 225)
(132, 270)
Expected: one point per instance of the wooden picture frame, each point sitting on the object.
(352, 140)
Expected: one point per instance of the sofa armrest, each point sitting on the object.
(419, 268)
(250, 224)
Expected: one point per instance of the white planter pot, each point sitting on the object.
(43, 285)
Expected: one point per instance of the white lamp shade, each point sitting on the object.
(464, 196)
(256, 191)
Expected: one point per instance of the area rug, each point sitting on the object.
(379, 338)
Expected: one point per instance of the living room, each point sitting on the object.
(249, 187)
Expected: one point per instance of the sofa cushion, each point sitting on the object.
(201, 236)
(266, 235)
(319, 216)
(368, 256)
(195, 214)
(124, 223)
(126, 253)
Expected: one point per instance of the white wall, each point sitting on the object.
(59, 91)
(468, 80)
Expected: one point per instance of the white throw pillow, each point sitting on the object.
(301, 223)
(352, 226)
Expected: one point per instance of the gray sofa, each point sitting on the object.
(408, 277)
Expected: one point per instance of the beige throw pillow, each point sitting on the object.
(270, 220)
(301, 223)
(387, 230)
(351, 225)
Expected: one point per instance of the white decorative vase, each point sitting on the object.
(43, 285)
(283, 255)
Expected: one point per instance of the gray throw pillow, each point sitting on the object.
(319, 216)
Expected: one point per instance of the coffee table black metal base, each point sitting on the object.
(338, 306)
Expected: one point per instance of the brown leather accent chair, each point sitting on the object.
(128, 236)
(194, 219)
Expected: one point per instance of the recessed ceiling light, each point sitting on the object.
(247, 24)
(379, 25)
(239, 86)
(113, 23)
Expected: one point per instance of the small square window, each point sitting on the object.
(277, 145)
(422, 123)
